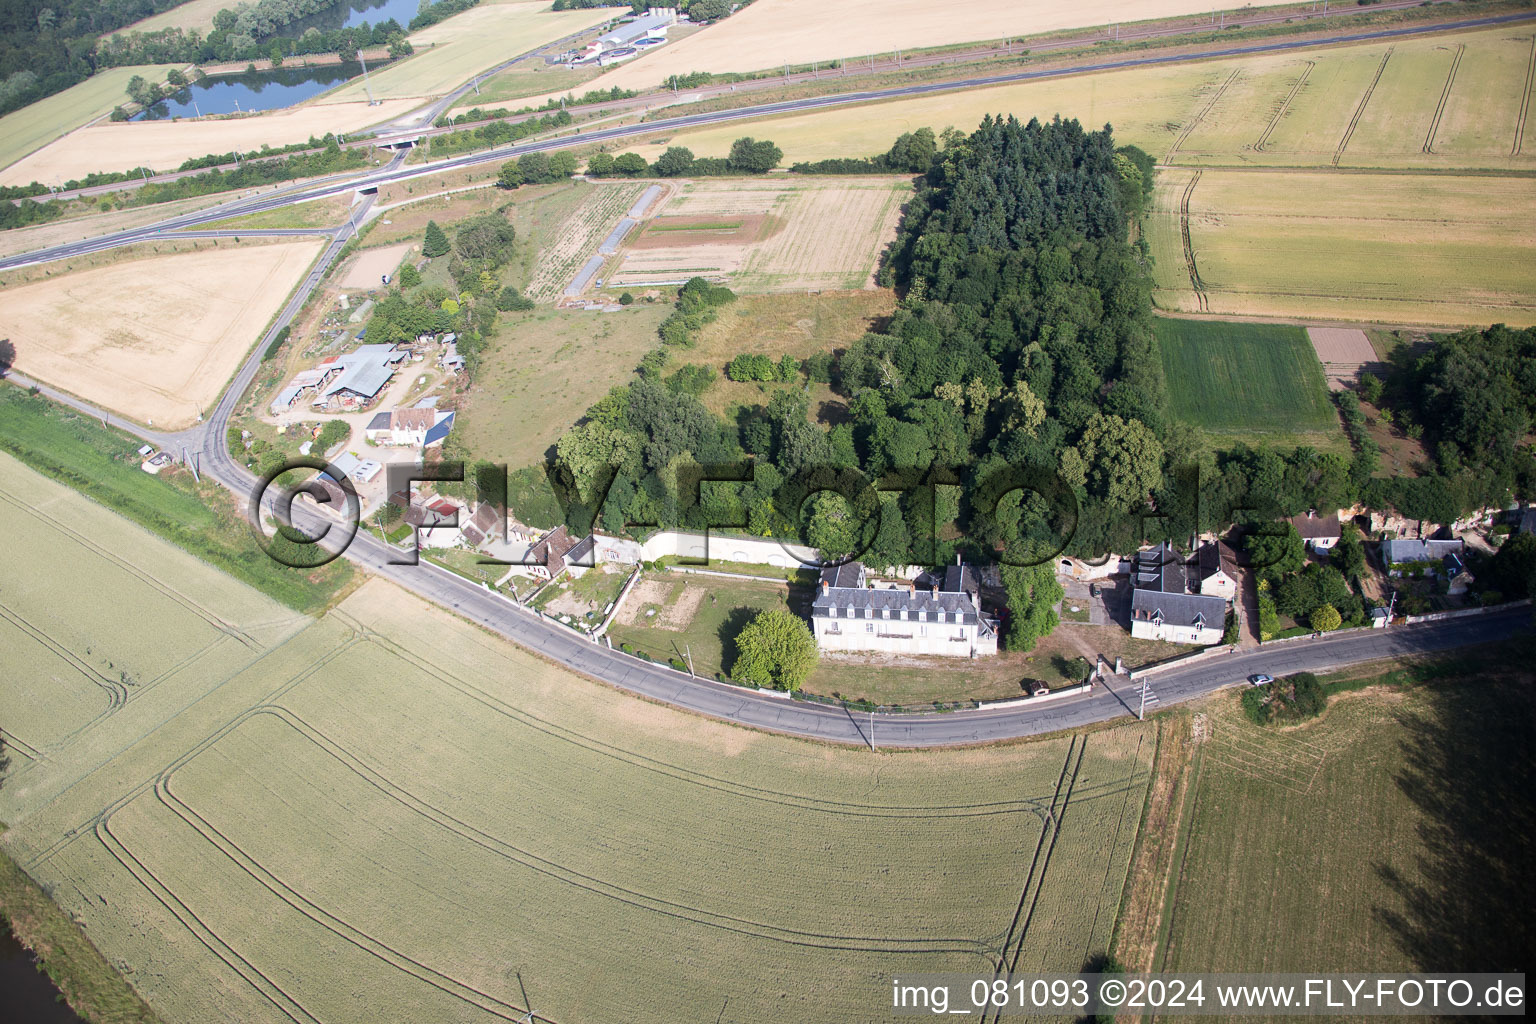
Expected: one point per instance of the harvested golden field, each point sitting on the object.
(155, 338)
(37, 124)
(768, 235)
(452, 52)
(327, 836)
(1440, 250)
(771, 33)
(164, 145)
(1293, 109)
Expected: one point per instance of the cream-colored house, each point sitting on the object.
(939, 614)
(1162, 607)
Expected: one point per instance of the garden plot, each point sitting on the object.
(769, 236)
(580, 236)
(1343, 351)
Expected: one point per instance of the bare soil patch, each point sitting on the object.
(369, 266)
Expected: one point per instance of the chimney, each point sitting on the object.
(935, 590)
(825, 586)
(957, 558)
(911, 587)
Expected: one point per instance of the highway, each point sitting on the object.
(396, 171)
(204, 447)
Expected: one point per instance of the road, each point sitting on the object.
(395, 172)
(205, 447)
(414, 123)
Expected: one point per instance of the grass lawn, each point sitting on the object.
(528, 79)
(1387, 835)
(34, 126)
(1245, 381)
(794, 324)
(202, 518)
(543, 370)
(723, 607)
(319, 213)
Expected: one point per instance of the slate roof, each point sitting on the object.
(1528, 521)
(380, 421)
(843, 591)
(1159, 569)
(1404, 550)
(439, 431)
(1176, 609)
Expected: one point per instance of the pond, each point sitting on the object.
(356, 12)
(26, 990)
(251, 90)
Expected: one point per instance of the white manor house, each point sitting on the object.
(935, 615)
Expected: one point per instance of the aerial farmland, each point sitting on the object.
(529, 511)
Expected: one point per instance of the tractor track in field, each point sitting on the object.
(1445, 95)
(1200, 117)
(1285, 106)
(1034, 882)
(285, 1004)
(1525, 101)
(597, 886)
(1198, 285)
(1354, 122)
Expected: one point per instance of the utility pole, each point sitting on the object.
(366, 87)
(1141, 713)
(688, 653)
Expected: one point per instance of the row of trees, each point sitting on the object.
(747, 156)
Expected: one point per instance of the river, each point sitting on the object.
(27, 991)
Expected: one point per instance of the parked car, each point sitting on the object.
(1093, 590)
(1260, 679)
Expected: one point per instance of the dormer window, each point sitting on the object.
(922, 616)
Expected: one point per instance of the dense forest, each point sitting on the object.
(46, 45)
(1019, 365)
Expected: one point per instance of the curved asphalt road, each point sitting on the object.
(205, 445)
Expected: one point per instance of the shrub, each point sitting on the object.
(626, 299)
(1326, 618)
(1294, 698)
(435, 243)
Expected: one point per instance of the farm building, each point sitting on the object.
(1318, 533)
(407, 426)
(1216, 565)
(651, 25)
(1162, 607)
(360, 470)
(362, 375)
(943, 616)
